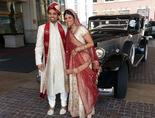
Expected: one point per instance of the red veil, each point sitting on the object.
(86, 76)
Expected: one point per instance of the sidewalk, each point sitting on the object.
(12, 80)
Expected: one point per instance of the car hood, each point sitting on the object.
(107, 34)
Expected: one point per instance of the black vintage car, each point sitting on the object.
(120, 45)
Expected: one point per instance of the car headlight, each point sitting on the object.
(100, 52)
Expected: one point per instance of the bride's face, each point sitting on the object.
(69, 19)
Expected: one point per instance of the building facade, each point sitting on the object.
(109, 7)
(29, 14)
(24, 16)
(18, 17)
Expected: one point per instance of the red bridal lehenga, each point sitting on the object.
(83, 91)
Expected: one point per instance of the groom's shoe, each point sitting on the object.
(50, 111)
(63, 111)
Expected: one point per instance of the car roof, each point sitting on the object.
(108, 17)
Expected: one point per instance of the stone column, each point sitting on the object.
(30, 21)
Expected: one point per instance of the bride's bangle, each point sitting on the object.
(85, 46)
(74, 70)
(75, 50)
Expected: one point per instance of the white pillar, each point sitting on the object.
(82, 11)
(30, 21)
(89, 9)
(70, 4)
(83, 8)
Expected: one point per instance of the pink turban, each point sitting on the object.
(55, 6)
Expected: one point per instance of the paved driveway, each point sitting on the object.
(19, 97)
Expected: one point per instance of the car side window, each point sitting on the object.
(132, 23)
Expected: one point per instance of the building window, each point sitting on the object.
(11, 18)
(144, 12)
(109, 0)
(41, 6)
(94, 13)
(109, 12)
(124, 12)
(94, 0)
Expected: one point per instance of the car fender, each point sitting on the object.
(110, 67)
(114, 61)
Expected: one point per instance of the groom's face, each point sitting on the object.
(53, 16)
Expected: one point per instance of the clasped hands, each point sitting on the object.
(78, 49)
(72, 71)
(75, 51)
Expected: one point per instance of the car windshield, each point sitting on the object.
(108, 24)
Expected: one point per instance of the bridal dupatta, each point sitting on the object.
(86, 61)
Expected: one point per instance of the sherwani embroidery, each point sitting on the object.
(53, 75)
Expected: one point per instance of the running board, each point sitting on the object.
(137, 60)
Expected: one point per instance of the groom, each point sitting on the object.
(50, 59)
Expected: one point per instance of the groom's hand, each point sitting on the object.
(40, 67)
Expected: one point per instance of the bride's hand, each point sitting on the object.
(72, 71)
(74, 52)
(68, 71)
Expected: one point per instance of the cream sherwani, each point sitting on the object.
(53, 74)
